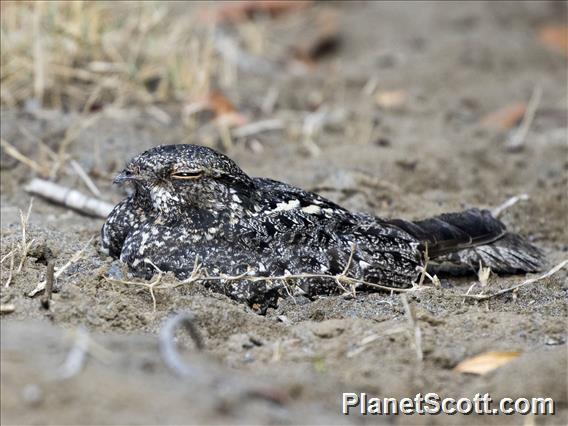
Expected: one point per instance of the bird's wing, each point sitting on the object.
(288, 216)
(288, 197)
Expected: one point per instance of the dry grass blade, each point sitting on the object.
(552, 271)
(11, 269)
(483, 274)
(24, 244)
(23, 248)
(73, 132)
(414, 326)
(518, 138)
(8, 255)
(17, 155)
(83, 55)
(85, 178)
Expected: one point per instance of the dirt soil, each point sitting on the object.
(455, 63)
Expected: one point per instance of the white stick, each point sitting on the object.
(518, 138)
(258, 127)
(497, 211)
(85, 178)
(415, 327)
(69, 198)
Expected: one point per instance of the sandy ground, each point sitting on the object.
(455, 63)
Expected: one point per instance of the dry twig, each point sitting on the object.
(83, 345)
(552, 271)
(498, 211)
(518, 138)
(424, 272)
(46, 299)
(77, 356)
(85, 178)
(200, 274)
(168, 348)
(69, 198)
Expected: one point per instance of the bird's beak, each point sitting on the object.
(125, 176)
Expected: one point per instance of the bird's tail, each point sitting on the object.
(472, 238)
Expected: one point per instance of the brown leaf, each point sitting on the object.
(391, 99)
(219, 103)
(240, 11)
(222, 108)
(324, 41)
(485, 362)
(505, 118)
(555, 37)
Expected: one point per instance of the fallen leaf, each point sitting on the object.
(505, 118)
(224, 112)
(391, 99)
(240, 11)
(219, 103)
(324, 40)
(485, 362)
(555, 37)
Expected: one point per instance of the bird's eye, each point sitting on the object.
(187, 174)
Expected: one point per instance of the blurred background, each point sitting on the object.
(405, 109)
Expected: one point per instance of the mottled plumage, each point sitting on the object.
(190, 201)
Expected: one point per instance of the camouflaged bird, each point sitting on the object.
(191, 202)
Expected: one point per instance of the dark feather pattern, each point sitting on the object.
(232, 222)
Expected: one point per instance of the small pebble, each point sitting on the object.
(553, 341)
(32, 395)
(115, 271)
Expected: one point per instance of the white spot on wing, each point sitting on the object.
(285, 206)
(311, 209)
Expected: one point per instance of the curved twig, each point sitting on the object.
(168, 348)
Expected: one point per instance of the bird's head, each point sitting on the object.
(175, 178)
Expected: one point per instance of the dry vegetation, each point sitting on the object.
(80, 55)
(437, 117)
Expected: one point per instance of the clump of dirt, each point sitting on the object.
(426, 156)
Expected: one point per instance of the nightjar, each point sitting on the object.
(192, 202)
